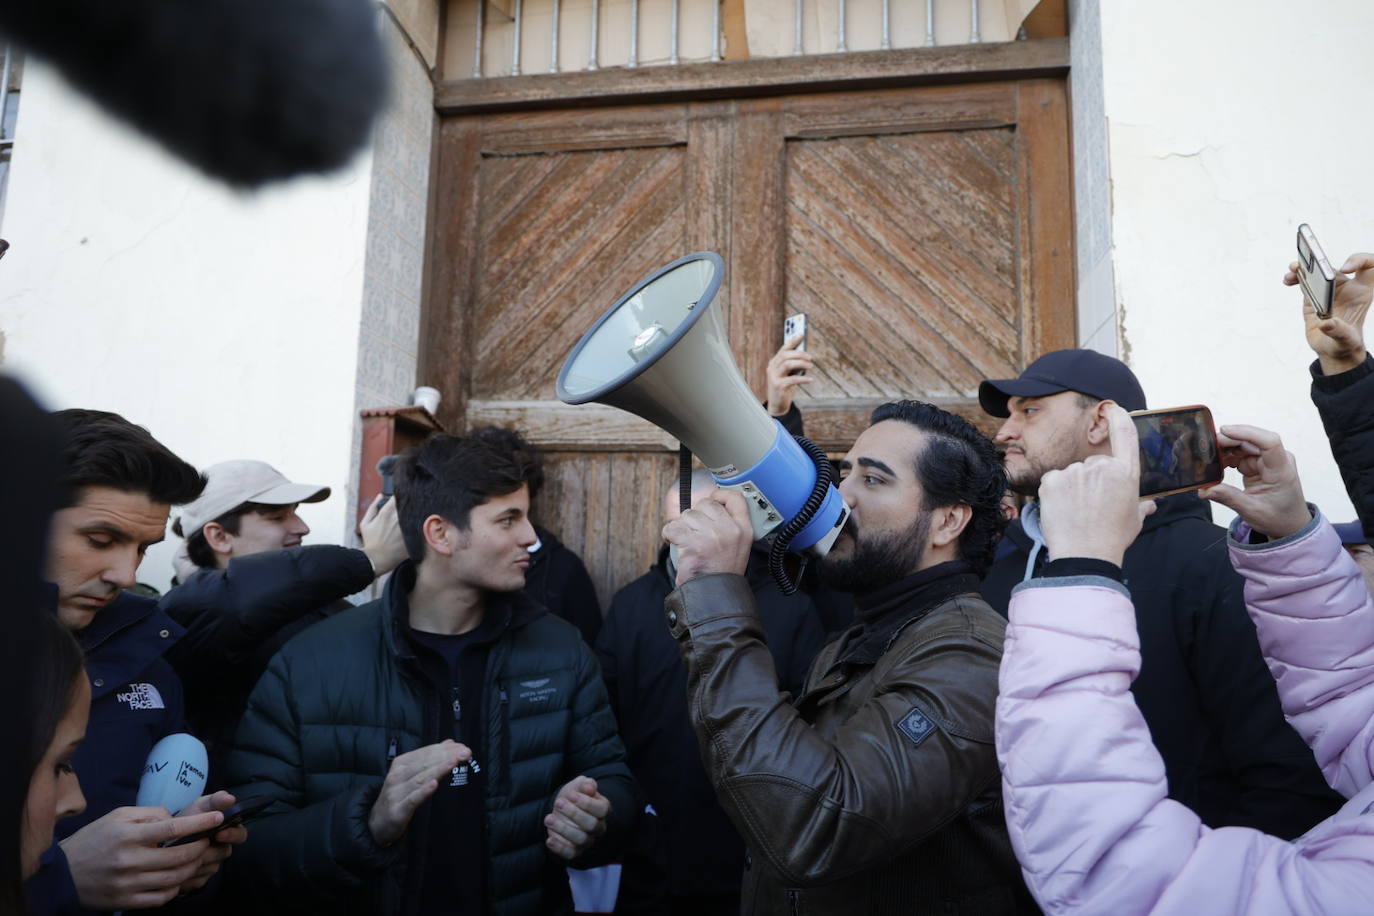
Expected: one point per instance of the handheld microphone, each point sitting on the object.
(174, 775)
(384, 468)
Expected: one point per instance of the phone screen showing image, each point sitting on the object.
(1178, 450)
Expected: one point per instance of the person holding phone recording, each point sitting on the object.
(1086, 792)
(1205, 693)
(1343, 378)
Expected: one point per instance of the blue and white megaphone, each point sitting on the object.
(174, 775)
(661, 353)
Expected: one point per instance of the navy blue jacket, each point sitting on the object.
(237, 618)
(136, 701)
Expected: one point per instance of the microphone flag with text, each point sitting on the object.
(661, 353)
(174, 773)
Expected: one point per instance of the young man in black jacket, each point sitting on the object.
(447, 748)
(647, 681)
(256, 586)
(1211, 704)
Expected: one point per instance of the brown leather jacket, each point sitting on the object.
(877, 791)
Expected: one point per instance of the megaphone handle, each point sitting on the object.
(684, 478)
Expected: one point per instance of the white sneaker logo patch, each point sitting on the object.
(141, 696)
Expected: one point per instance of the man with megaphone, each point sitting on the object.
(876, 790)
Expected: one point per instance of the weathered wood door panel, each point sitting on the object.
(925, 232)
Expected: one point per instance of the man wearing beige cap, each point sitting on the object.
(255, 585)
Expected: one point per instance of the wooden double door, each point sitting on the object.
(926, 233)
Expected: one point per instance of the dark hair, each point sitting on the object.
(199, 549)
(958, 466)
(1087, 401)
(52, 665)
(105, 450)
(448, 476)
(511, 440)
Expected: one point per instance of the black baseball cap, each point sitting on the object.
(1085, 371)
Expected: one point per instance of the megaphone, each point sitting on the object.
(174, 774)
(660, 352)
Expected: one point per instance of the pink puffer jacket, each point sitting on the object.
(1084, 787)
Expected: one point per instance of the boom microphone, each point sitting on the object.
(660, 353)
(247, 90)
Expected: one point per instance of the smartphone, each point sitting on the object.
(1315, 275)
(234, 815)
(1178, 450)
(791, 327)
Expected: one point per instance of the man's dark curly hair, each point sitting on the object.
(958, 466)
(448, 476)
(105, 450)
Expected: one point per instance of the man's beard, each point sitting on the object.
(878, 560)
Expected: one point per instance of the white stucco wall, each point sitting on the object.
(1228, 124)
(226, 323)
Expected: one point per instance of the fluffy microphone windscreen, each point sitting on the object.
(174, 774)
(247, 90)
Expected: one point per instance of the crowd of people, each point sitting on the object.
(1010, 687)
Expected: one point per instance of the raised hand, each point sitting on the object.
(381, 535)
(714, 536)
(1092, 509)
(1338, 340)
(782, 386)
(1272, 502)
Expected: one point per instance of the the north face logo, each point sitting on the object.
(141, 696)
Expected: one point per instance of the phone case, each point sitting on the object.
(1162, 471)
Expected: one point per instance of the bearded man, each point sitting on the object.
(876, 790)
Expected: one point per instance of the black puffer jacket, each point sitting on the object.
(348, 694)
(237, 618)
(1204, 690)
(1346, 404)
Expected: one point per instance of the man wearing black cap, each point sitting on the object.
(1204, 691)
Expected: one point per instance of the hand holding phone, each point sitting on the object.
(234, 816)
(1338, 337)
(788, 367)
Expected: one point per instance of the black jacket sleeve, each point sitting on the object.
(595, 750)
(792, 420)
(1279, 789)
(229, 612)
(1346, 405)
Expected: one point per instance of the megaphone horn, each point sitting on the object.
(660, 352)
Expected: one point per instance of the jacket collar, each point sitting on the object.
(510, 610)
(126, 636)
(886, 612)
(1025, 531)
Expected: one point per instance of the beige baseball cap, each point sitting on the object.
(230, 484)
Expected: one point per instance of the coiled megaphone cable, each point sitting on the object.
(777, 554)
(783, 539)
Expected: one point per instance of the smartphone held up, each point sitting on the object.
(792, 327)
(1178, 450)
(1315, 275)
